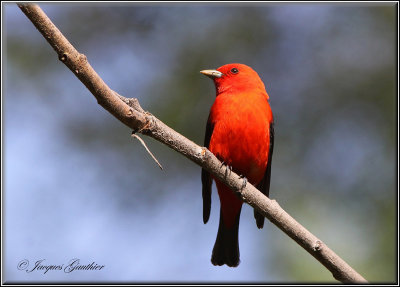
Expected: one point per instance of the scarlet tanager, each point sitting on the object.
(239, 133)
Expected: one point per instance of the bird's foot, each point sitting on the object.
(228, 168)
(244, 183)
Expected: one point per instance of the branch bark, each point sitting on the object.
(129, 112)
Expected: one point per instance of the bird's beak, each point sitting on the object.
(212, 73)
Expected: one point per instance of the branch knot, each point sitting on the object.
(317, 245)
(63, 57)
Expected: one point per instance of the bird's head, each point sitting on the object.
(235, 78)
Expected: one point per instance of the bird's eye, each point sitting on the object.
(234, 71)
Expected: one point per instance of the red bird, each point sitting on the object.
(240, 133)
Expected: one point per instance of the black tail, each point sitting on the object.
(226, 247)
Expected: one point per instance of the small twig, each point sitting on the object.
(132, 102)
(145, 146)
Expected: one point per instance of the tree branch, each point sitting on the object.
(131, 114)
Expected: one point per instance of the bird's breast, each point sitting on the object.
(241, 133)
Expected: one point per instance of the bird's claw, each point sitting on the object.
(244, 183)
(228, 168)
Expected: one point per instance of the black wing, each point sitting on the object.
(263, 186)
(206, 178)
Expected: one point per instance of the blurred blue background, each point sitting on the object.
(76, 185)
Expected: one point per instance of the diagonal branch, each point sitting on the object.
(131, 114)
